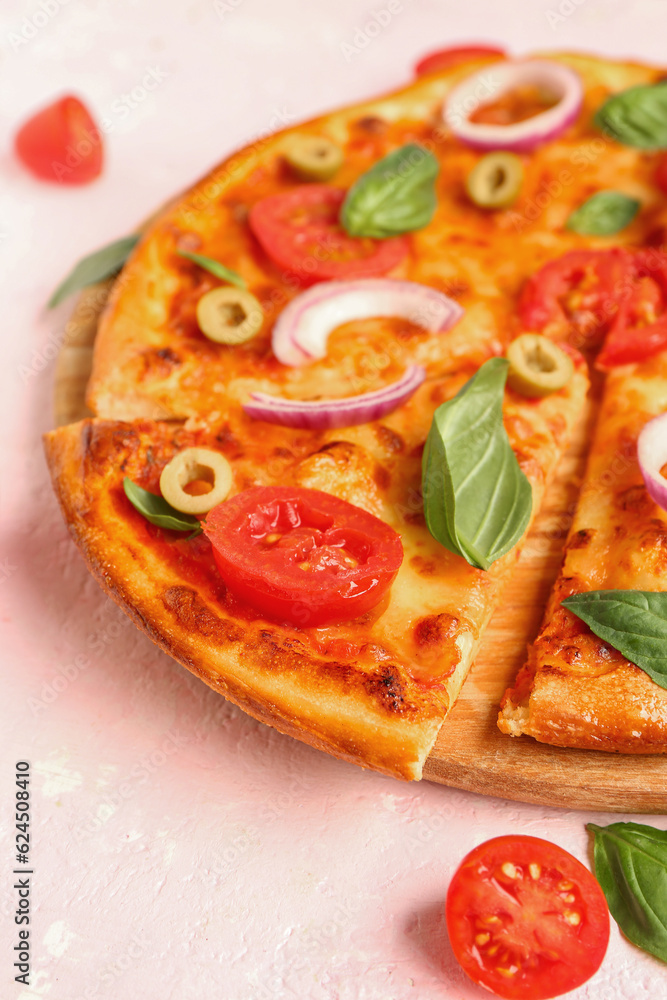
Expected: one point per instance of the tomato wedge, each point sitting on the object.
(639, 329)
(302, 556)
(577, 295)
(299, 230)
(61, 143)
(526, 919)
(454, 56)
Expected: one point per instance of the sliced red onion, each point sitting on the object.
(328, 413)
(301, 331)
(652, 455)
(500, 78)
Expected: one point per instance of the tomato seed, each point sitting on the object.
(509, 869)
(535, 870)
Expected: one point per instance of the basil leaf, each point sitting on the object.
(156, 510)
(395, 196)
(215, 267)
(631, 867)
(477, 501)
(636, 117)
(632, 621)
(95, 267)
(604, 214)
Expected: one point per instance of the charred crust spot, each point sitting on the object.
(381, 477)
(425, 567)
(634, 498)
(581, 539)
(197, 618)
(372, 125)
(160, 362)
(330, 445)
(434, 630)
(388, 439)
(385, 687)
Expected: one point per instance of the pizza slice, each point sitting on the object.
(576, 690)
(374, 689)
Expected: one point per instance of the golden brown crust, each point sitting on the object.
(575, 690)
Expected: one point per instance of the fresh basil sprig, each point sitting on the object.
(604, 214)
(477, 501)
(215, 267)
(395, 196)
(95, 267)
(632, 621)
(636, 117)
(631, 867)
(156, 510)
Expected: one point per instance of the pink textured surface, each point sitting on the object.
(180, 848)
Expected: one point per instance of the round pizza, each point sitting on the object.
(334, 379)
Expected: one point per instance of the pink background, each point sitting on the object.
(180, 848)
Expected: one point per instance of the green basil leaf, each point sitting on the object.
(156, 510)
(95, 267)
(215, 267)
(632, 621)
(604, 214)
(631, 867)
(395, 196)
(477, 501)
(636, 117)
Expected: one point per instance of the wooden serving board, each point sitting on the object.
(471, 753)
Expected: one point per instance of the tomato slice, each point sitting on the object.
(299, 230)
(302, 556)
(526, 919)
(577, 295)
(61, 143)
(443, 58)
(639, 329)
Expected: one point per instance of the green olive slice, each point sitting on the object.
(196, 465)
(538, 367)
(229, 315)
(496, 180)
(313, 158)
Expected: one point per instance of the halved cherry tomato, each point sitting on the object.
(443, 58)
(576, 295)
(661, 173)
(300, 231)
(639, 329)
(302, 556)
(61, 143)
(525, 919)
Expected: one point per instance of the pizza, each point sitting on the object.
(367, 338)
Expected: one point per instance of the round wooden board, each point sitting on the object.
(470, 752)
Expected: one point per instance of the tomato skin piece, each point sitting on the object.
(61, 143)
(661, 173)
(551, 924)
(300, 232)
(302, 556)
(444, 58)
(577, 295)
(639, 330)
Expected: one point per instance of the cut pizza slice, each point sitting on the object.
(373, 690)
(576, 690)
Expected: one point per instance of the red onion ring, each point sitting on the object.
(328, 413)
(301, 331)
(500, 78)
(652, 455)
